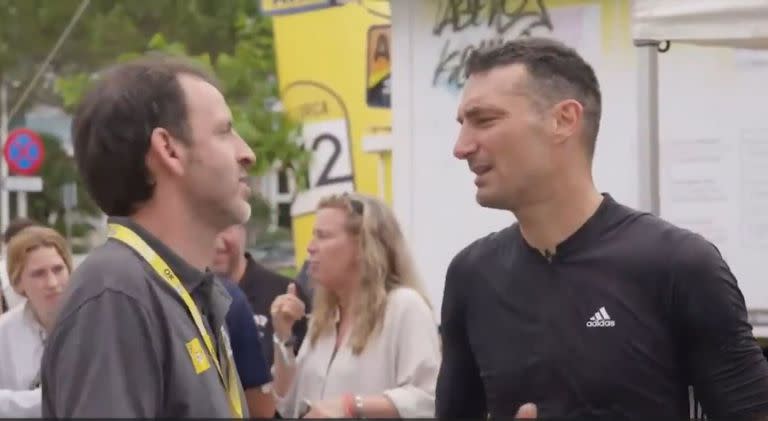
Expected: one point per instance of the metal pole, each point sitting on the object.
(68, 226)
(649, 188)
(5, 207)
(21, 204)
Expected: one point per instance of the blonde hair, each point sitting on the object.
(385, 264)
(28, 240)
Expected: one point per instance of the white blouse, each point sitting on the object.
(21, 349)
(401, 362)
(12, 298)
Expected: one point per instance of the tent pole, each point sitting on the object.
(649, 188)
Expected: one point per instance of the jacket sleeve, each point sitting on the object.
(725, 363)
(460, 392)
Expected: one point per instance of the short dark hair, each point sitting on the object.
(16, 226)
(113, 124)
(557, 71)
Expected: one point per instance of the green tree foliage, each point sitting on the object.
(229, 37)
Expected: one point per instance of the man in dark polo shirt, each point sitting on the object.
(259, 284)
(141, 333)
(584, 308)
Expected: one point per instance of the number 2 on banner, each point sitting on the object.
(330, 170)
(325, 177)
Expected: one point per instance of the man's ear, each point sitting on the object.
(166, 153)
(567, 119)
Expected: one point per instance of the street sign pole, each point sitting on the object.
(21, 204)
(69, 200)
(68, 226)
(4, 205)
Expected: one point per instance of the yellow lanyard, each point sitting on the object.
(130, 238)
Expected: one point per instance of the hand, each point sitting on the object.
(527, 411)
(326, 409)
(286, 310)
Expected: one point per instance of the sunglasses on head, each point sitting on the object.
(357, 205)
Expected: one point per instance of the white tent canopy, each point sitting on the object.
(733, 23)
(724, 23)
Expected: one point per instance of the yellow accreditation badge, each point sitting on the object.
(196, 353)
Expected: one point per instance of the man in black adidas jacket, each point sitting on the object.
(584, 308)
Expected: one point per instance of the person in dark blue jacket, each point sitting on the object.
(248, 355)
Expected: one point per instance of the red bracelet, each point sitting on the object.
(348, 402)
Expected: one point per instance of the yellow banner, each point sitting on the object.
(333, 66)
(279, 7)
(379, 66)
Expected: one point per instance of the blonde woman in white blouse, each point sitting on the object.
(39, 264)
(372, 350)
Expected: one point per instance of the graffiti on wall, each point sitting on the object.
(468, 25)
